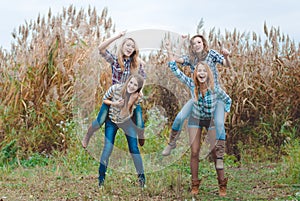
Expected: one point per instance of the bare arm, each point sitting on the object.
(169, 51)
(226, 53)
(141, 61)
(178, 59)
(102, 47)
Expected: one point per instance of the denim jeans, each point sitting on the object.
(219, 120)
(103, 114)
(182, 115)
(131, 136)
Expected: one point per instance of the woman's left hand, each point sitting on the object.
(133, 98)
(225, 52)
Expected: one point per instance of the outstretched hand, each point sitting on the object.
(184, 37)
(167, 44)
(133, 98)
(225, 52)
(122, 33)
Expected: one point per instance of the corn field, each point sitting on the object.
(54, 74)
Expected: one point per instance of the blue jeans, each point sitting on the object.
(182, 115)
(103, 114)
(131, 136)
(218, 118)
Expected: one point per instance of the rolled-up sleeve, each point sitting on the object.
(225, 98)
(109, 57)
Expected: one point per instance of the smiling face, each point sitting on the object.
(128, 48)
(201, 73)
(132, 85)
(197, 44)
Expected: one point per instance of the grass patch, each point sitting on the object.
(59, 180)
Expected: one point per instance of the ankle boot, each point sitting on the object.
(141, 136)
(172, 143)
(87, 137)
(195, 186)
(222, 187)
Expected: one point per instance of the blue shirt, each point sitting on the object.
(204, 107)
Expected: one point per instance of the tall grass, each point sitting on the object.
(53, 67)
(54, 74)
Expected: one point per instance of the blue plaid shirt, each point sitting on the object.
(212, 58)
(119, 76)
(204, 107)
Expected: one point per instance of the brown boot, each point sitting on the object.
(172, 143)
(87, 137)
(195, 186)
(222, 187)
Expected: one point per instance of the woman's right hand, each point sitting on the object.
(118, 103)
(122, 33)
(167, 45)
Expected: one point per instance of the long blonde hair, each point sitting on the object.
(134, 57)
(126, 95)
(209, 80)
(202, 55)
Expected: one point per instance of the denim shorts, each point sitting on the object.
(200, 123)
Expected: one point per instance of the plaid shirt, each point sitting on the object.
(204, 107)
(119, 76)
(212, 58)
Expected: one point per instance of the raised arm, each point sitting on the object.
(175, 70)
(178, 58)
(224, 97)
(226, 53)
(103, 46)
(169, 51)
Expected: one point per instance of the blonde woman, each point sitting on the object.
(125, 63)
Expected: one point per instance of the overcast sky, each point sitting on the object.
(180, 16)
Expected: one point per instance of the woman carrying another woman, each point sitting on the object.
(122, 100)
(198, 51)
(125, 63)
(205, 99)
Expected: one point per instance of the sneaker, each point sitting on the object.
(168, 149)
(142, 182)
(101, 184)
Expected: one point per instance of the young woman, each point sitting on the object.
(123, 65)
(122, 99)
(198, 51)
(205, 98)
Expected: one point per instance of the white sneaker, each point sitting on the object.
(168, 149)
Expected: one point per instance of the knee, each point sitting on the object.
(134, 149)
(95, 125)
(219, 123)
(179, 118)
(106, 152)
(194, 154)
